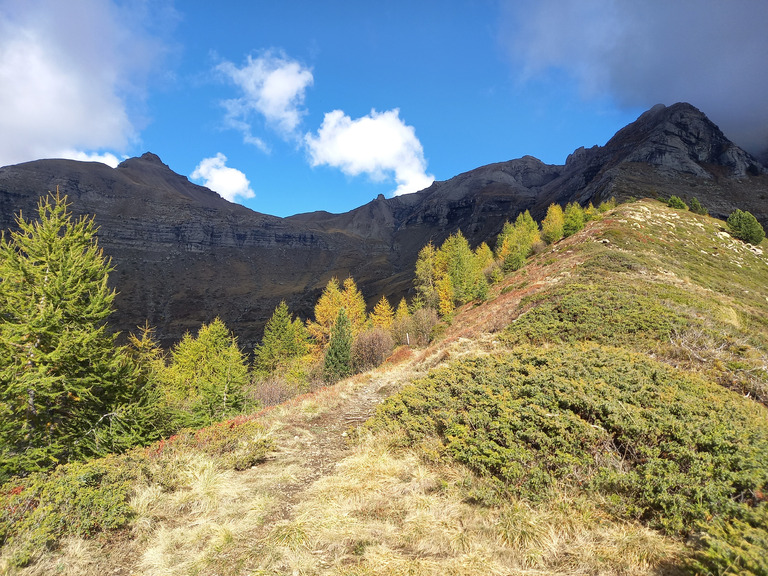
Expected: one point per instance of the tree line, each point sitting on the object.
(68, 391)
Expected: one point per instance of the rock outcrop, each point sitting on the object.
(183, 255)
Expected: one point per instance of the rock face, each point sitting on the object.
(183, 255)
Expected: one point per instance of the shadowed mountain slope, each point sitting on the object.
(183, 255)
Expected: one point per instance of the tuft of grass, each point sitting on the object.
(87, 499)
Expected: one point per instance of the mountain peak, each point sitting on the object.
(682, 139)
(148, 158)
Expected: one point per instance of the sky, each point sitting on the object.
(297, 106)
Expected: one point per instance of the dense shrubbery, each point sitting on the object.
(371, 348)
(667, 448)
(586, 311)
(736, 546)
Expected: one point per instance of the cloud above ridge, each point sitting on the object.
(379, 145)
(706, 52)
(71, 75)
(229, 183)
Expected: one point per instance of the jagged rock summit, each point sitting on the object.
(183, 255)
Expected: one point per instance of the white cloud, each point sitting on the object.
(230, 183)
(379, 145)
(272, 86)
(69, 73)
(706, 52)
(105, 158)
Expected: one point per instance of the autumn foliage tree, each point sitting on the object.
(334, 298)
(426, 277)
(515, 242)
(450, 276)
(382, 315)
(573, 219)
(552, 225)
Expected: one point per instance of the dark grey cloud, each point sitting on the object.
(711, 53)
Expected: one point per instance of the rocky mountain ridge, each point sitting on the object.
(183, 255)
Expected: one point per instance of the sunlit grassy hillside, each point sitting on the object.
(602, 412)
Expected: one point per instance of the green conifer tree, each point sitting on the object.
(573, 219)
(745, 226)
(206, 379)
(338, 356)
(62, 379)
(456, 260)
(697, 208)
(284, 340)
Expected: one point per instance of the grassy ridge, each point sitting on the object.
(652, 328)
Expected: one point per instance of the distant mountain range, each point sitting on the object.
(183, 255)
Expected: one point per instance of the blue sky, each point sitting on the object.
(290, 107)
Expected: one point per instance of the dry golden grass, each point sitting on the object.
(387, 512)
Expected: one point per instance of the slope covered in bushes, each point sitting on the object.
(636, 373)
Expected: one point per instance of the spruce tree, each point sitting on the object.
(338, 356)
(284, 340)
(62, 380)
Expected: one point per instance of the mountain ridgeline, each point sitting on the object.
(182, 255)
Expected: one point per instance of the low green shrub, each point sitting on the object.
(661, 446)
(745, 226)
(78, 499)
(676, 202)
(739, 546)
(588, 312)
